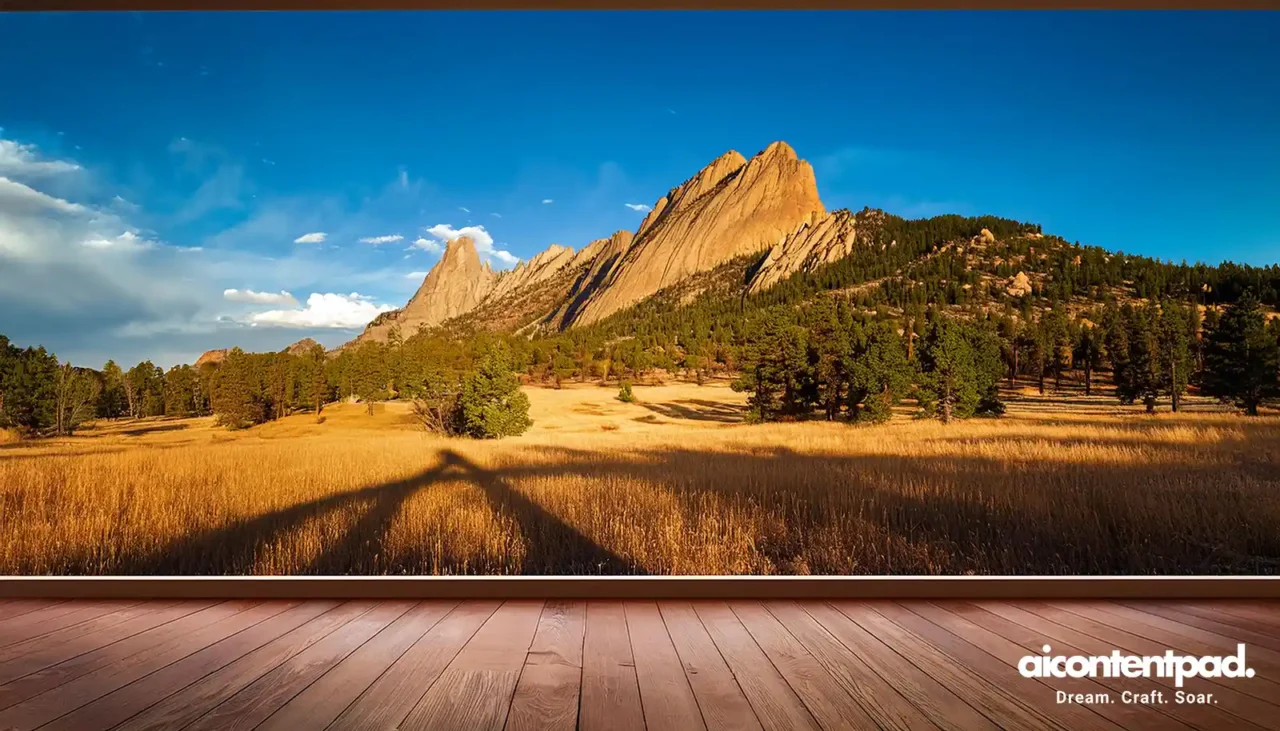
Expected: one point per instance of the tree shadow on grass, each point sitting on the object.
(554, 546)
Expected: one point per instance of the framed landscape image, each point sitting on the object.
(639, 294)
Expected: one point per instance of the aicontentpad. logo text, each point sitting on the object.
(1117, 665)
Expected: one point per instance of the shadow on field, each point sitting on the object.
(555, 546)
(698, 410)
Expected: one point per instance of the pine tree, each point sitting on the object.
(960, 364)
(1175, 336)
(1242, 358)
(238, 400)
(75, 398)
(879, 372)
(491, 404)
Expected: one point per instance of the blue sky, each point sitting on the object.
(150, 163)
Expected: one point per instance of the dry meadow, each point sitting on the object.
(674, 484)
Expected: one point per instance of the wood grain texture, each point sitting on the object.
(724, 706)
(882, 702)
(610, 692)
(1032, 633)
(776, 705)
(324, 700)
(395, 693)
(475, 690)
(391, 664)
(249, 707)
(822, 695)
(161, 627)
(665, 695)
(546, 698)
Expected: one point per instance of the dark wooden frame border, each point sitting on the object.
(292, 5)
(623, 587)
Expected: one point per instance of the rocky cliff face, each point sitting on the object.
(212, 357)
(826, 240)
(732, 207)
(457, 284)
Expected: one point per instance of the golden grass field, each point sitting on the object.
(674, 484)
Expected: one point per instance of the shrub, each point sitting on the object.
(624, 393)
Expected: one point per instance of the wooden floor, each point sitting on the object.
(612, 665)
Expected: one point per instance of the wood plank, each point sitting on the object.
(944, 708)
(1263, 612)
(775, 704)
(189, 701)
(117, 673)
(546, 697)
(987, 696)
(1010, 652)
(395, 693)
(475, 691)
(122, 704)
(1033, 632)
(882, 702)
(38, 653)
(40, 623)
(1241, 703)
(822, 695)
(1268, 639)
(665, 695)
(1217, 612)
(18, 607)
(1178, 636)
(326, 699)
(1025, 690)
(610, 692)
(152, 630)
(250, 706)
(724, 706)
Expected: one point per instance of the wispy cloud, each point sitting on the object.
(415, 275)
(464, 209)
(259, 298)
(338, 311)
(496, 215)
(15, 195)
(379, 240)
(127, 242)
(429, 245)
(311, 238)
(547, 200)
(639, 207)
(19, 160)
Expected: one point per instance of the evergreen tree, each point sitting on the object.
(238, 400)
(491, 404)
(111, 400)
(29, 390)
(1089, 353)
(879, 372)
(1139, 375)
(75, 398)
(1177, 360)
(960, 365)
(1242, 358)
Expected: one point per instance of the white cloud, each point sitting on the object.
(496, 215)
(342, 311)
(547, 200)
(464, 209)
(639, 207)
(311, 238)
(18, 197)
(128, 241)
(415, 275)
(22, 160)
(259, 298)
(428, 245)
(377, 240)
(445, 233)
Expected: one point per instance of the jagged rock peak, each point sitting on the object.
(543, 265)
(730, 208)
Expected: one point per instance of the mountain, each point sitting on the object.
(457, 284)
(731, 208)
(302, 347)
